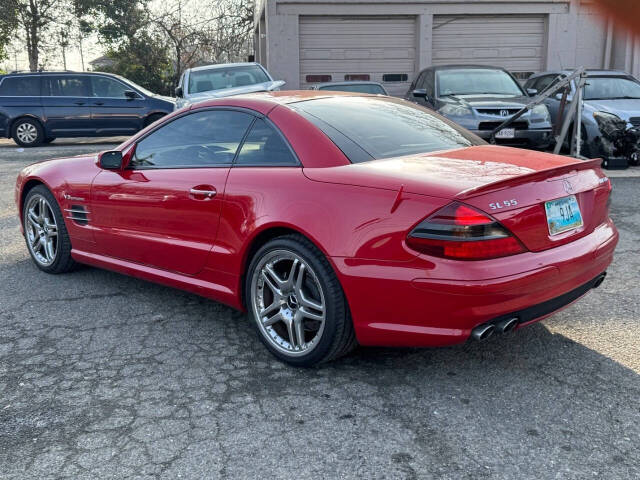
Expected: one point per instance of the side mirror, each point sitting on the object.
(532, 92)
(179, 92)
(420, 93)
(130, 94)
(111, 160)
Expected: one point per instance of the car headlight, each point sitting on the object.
(606, 117)
(541, 111)
(454, 110)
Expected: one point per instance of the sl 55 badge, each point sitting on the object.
(503, 204)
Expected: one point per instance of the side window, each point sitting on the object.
(20, 86)
(66, 86)
(200, 139)
(106, 87)
(264, 146)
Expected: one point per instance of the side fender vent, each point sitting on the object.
(78, 213)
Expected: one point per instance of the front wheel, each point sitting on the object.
(297, 304)
(45, 232)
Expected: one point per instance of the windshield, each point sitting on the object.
(357, 87)
(135, 85)
(219, 78)
(610, 88)
(476, 81)
(382, 127)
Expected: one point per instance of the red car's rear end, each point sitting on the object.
(492, 256)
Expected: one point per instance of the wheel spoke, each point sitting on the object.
(49, 251)
(292, 334)
(298, 327)
(36, 243)
(33, 219)
(292, 273)
(274, 276)
(42, 207)
(270, 321)
(311, 315)
(270, 284)
(307, 302)
(267, 310)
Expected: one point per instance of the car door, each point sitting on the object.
(163, 209)
(116, 109)
(65, 103)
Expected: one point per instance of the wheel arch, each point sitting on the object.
(25, 115)
(26, 188)
(150, 115)
(260, 238)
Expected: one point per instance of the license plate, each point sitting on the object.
(506, 133)
(563, 214)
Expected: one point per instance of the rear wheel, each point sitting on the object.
(27, 132)
(297, 304)
(45, 232)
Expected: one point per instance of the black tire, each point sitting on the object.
(153, 118)
(63, 262)
(30, 125)
(338, 335)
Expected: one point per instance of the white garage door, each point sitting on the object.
(343, 48)
(514, 42)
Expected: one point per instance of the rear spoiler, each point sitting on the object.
(529, 177)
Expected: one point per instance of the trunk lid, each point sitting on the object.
(510, 184)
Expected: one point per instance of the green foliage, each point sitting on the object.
(8, 24)
(144, 61)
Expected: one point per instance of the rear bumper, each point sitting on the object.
(534, 138)
(437, 302)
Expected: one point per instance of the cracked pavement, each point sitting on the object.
(105, 376)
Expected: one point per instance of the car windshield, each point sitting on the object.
(219, 78)
(135, 85)
(383, 127)
(611, 88)
(356, 87)
(476, 81)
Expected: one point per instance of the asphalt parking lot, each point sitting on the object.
(105, 376)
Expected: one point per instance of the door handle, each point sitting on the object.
(208, 194)
(99, 103)
(79, 103)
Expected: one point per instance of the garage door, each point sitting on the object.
(514, 42)
(381, 49)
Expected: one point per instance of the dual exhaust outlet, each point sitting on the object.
(484, 331)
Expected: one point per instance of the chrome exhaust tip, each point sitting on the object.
(599, 280)
(482, 332)
(505, 326)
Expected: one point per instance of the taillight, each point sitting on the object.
(462, 232)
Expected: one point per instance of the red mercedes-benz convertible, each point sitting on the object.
(335, 220)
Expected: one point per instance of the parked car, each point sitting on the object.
(611, 111)
(480, 98)
(344, 219)
(223, 80)
(36, 108)
(373, 88)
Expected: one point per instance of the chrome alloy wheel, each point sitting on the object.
(41, 230)
(288, 302)
(26, 132)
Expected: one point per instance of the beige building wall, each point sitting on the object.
(574, 32)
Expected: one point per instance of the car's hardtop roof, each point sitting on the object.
(215, 66)
(264, 102)
(59, 72)
(461, 67)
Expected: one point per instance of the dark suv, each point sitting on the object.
(35, 108)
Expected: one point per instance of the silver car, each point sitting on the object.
(223, 80)
(373, 88)
(480, 98)
(610, 115)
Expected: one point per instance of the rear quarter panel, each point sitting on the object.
(12, 108)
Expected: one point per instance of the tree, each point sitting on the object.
(33, 20)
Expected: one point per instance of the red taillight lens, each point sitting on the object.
(464, 233)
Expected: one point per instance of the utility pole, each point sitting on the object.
(81, 52)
